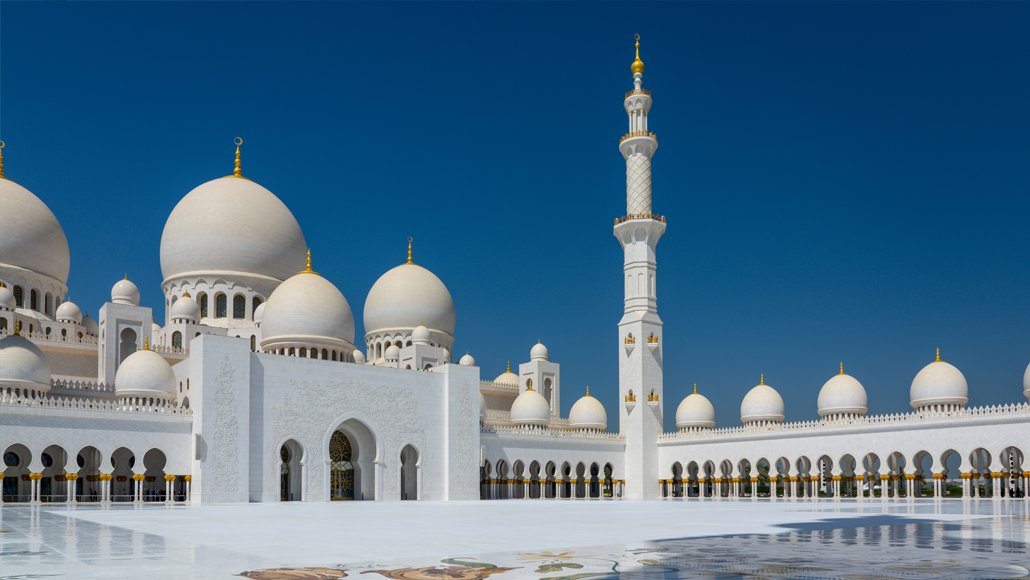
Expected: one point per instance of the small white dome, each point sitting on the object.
(530, 408)
(186, 308)
(307, 308)
(31, 238)
(538, 352)
(392, 353)
(508, 377)
(1026, 383)
(939, 383)
(91, 325)
(695, 411)
(23, 365)
(259, 313)
(842, 395)
(467, 361)
(230, 227)
(762, 403)
(359, 357)
(155, 328)
(125, 292)
(7, 301)
(421, 335)
(69, 312)
(588, 413)
(407, 294)
(145, 374)
(482, 407)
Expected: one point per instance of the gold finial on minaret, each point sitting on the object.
(938, 355)
(409, 250)
(308, 270)
(237, 172)
(638, 65)
(1, 158)
(762, 380)
(842, 367)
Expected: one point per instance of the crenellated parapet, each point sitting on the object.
(12, 399)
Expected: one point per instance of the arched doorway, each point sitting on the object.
(409, 473)
(127, 345)
(341, 479)
(290, 476)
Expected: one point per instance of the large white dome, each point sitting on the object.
(530, 408)
(588, 413)
(232, 226)
(307, 308)
(145, 374)
(842, 395)
(23, 365)
(31, 238)
(762, 403)
(406, 296)
(939, 383)
(1026, 383)
(695, 411)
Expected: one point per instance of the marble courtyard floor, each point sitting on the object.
(519, 539)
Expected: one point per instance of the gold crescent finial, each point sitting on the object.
(409, 250)
(237, 172)
(308, 270)
(1, 158)
(638, 65)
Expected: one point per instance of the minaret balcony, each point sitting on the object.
(640, 216)
(633, 134)
(638, 92)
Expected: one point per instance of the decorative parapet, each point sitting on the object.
(498, 416)
(162, 349)
(86, 387)
(892, 419)
(633, 134)
(86, 340)
(490, 385)
(99, 406)
(640, 216)
(638, 92)
(534, 431)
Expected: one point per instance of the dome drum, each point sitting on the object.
(235, 310)
(312, 349)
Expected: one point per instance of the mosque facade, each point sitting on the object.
(255, 388)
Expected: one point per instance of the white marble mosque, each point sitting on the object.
(253, 388)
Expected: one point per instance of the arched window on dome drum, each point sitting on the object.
(176, 339)
(255, 303)
(33, 300)
(303, 352)
(239, 306)
(48, 301)
(293, 351)
(253, 343)
(19, 296)
(325, 354)
(220, 302)
(334, 352)
(203, 305)
(3, 324)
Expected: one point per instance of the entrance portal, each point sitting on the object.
(341, 481)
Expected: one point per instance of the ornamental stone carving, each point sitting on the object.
(225, 450)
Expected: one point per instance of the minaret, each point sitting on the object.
(640, 330)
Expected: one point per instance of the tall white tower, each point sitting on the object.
(640, 330)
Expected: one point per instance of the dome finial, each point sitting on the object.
(308, 270)
(842, 367)
(938, 355)
(638, 65)
(237, 172)
(509, 366)
(17, 328)
(695, 388)
(588, 390)
(409, 250)
(186, 294)
(762, 380)
(1, 158)
(146, 343)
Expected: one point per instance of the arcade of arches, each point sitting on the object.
(519, 481)
(88, 476)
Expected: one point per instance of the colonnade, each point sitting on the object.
(563, 489)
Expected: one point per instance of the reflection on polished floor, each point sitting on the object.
(501, 540)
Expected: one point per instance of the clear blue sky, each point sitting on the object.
(843, 181)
